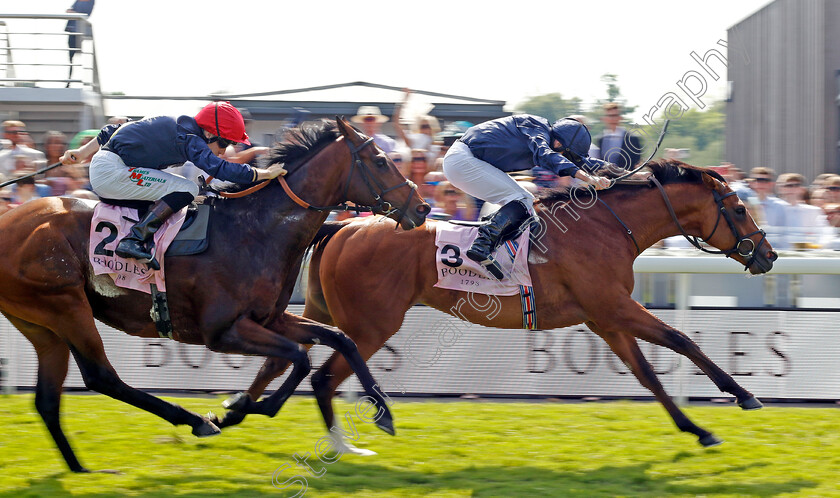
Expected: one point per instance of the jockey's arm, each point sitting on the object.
(76, 156)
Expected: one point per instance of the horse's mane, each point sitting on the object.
(300, 142)
(665, 170)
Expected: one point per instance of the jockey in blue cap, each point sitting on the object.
(479, 161)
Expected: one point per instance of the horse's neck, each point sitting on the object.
(318, 182)
(648, 217)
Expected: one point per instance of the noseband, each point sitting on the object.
(744, 246)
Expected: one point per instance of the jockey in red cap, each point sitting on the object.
(128, 160)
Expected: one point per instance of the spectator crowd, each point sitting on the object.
(795, 214)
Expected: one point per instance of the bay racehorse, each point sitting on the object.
(364, 277)
(231, 298)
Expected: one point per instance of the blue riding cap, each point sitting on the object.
(575, 138)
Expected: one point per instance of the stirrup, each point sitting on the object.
(152, 262)
(493, 267)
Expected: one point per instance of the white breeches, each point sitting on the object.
(110, 177)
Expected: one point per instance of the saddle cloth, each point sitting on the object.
(111, 224)
(457, 272)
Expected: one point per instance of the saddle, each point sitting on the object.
(192, 237)
(112, 217)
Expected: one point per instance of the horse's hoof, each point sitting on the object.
(386, 423)
(710, 440)
(750, 403)
(236, 402)
(231, 418)
(346, 448)
(206, 428)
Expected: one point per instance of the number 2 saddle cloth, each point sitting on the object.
(109, 225)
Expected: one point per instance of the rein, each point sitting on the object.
(247, 191)
(744, 246)
(626, 228)
(381, 206)
(645, 163)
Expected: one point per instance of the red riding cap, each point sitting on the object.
(223, 120)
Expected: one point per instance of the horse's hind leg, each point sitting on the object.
(627, 349)
(77, 327)
(53, 355)
(634, 319)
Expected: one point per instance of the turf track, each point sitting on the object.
(441, 449)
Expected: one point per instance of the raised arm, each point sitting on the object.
(396, 118)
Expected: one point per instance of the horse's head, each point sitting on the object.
(375, 181)
(737, 236)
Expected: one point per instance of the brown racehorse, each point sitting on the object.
(231, 298)
(367, 276)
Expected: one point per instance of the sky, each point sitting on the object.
(493, 50)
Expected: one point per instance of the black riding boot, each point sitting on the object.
(502, 223)
(135, 244)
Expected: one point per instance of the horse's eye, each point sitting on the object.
(740, 210)
(381, 162)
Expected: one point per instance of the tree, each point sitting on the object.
(613, 91)
(702, 132)
(551, 106)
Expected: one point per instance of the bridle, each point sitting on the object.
(744, 246)
(375, 187)
(382, 206)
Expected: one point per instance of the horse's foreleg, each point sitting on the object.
(325, 381)
(248, 337)
(274, 367)
(308, 331)
(633, 318)
(627, 349)
(271, 369)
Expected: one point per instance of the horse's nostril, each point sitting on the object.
(423, 209)
(772, 256)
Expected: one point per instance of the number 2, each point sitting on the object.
(100, 248)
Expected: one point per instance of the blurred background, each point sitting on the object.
(752, 90)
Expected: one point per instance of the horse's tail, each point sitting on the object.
(316, 305)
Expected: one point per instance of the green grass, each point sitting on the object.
(441, 449)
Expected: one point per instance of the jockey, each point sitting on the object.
(479, 161)
(128, 159)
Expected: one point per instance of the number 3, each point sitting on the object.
(454, 260)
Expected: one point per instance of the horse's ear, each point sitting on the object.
(347, 130)
(711, 183)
